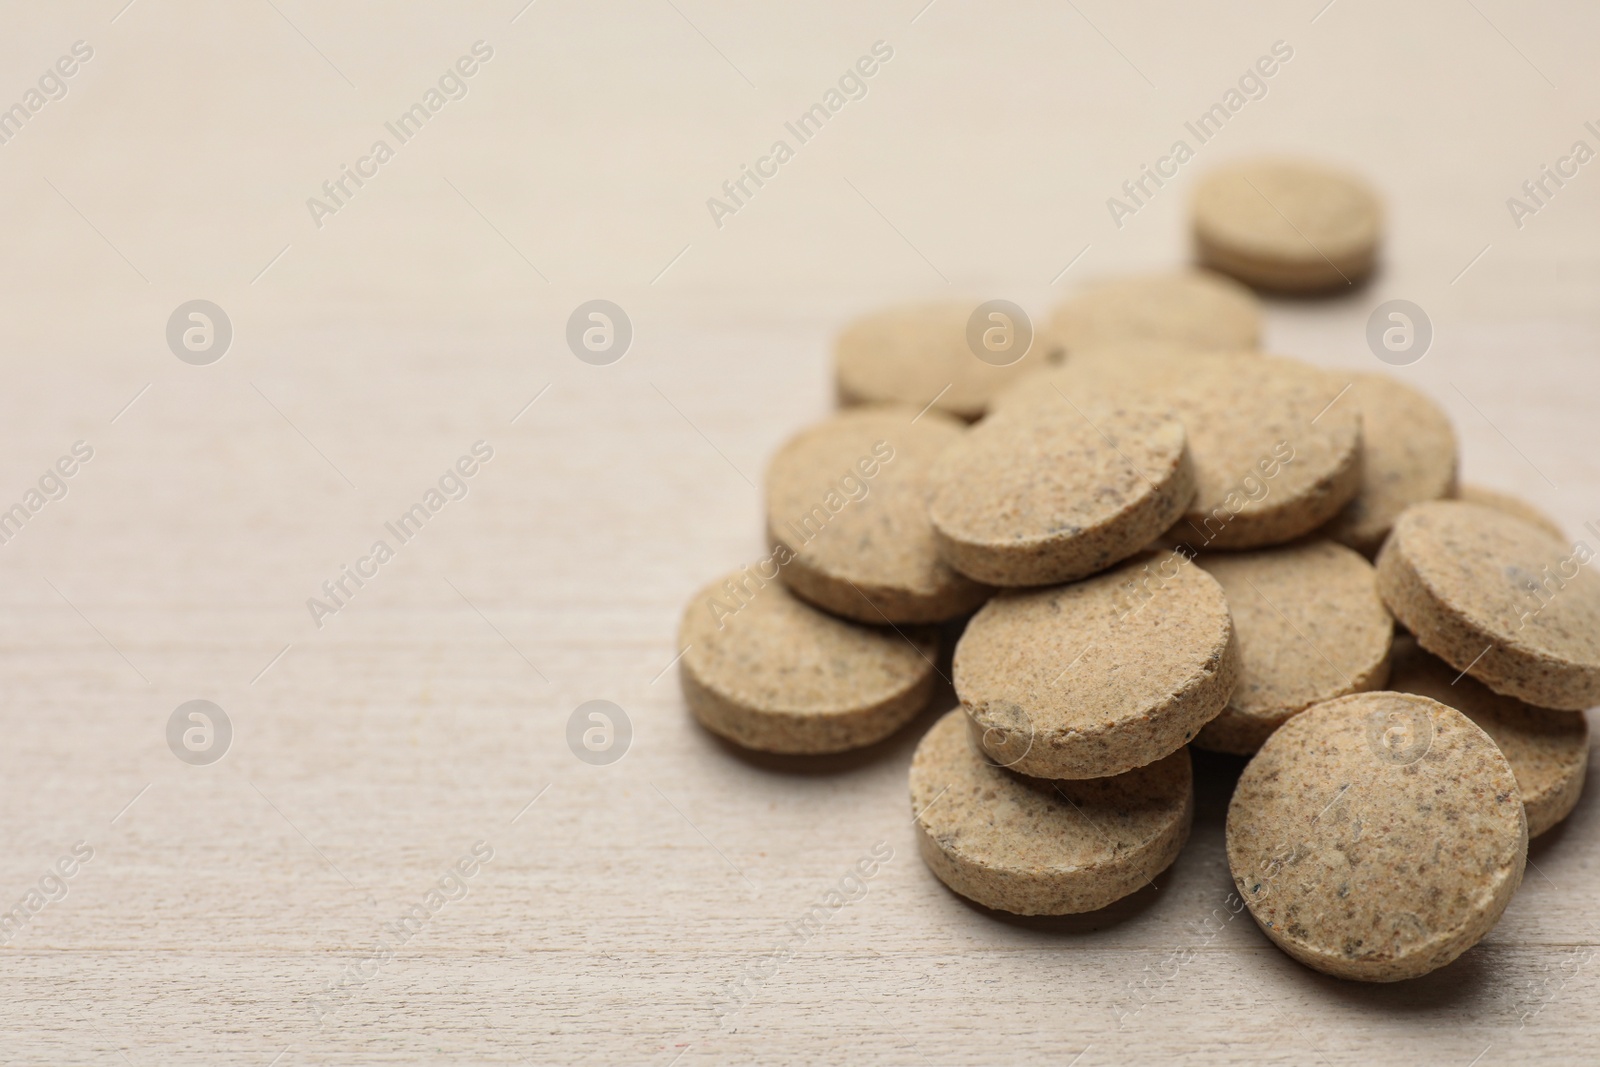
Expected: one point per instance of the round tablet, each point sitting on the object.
(1548, 750)
(1276, 448)
(1499, 598)
(1195, 309)
(1049, 490)
(1377, 836)
(1287, 225)
(1035, 847)
(1408, 455)
(1310, 626)
(847, 516)
(1102, 676)
(920, 354)
(771, 672)
(1511, 505)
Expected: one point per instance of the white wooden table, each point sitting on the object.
(230, 912)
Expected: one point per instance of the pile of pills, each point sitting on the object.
(1149, 535)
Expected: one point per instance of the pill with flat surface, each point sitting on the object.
(1049, 490)
(770, 672)
(847, 500)
(1193, 309)
(919, 354)
(1499, 598)
(1548, 750)
(1408, 455)
(1100, 676)
(1287, 225)
(1035, 847)
(1377, 836)
(1276, 443)
(1511, 505)
(1311, 627)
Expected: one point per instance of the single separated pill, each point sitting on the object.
(1195, 309)
(920, 354)
(1036, 847)
(1287, 225)
(1276, 443)
(1101, 676)
(771, 672)
(1548, 750)
(847, 506)
(1498, 598)
(1311, 627)
(1049, 490)
(1408, 455)
(1511, 505)
(1377, 836)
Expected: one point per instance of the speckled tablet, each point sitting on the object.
(1310, 626)
(918, 354)
(1548, 750)
(1194, 309)
(1036, 847)
(1050, 490)
(1499, 598)
(1377, 836)
(1511, 505)
(770, 672)
(847, 516)
(1101, 676)
(1276, 448)
(1287, 225)
(1408, 456)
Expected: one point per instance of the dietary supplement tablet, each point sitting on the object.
(919, 354)
(847, 516)
(1310, 626)
(1048, 490)
(1511, 505)
(1548, 750)
(1287, 225)
(1276, 443)
(1192, 309)
(770, 672)
(1100, 676)
(1499, 598)
(1377, 836)
(1408, 451)
(1036, 847)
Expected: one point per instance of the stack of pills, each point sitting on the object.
(1158, 536)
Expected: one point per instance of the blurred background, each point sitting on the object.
(376, 338)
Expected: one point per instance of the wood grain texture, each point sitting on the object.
(229, 913)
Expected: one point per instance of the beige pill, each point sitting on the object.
(847, 510)
(1548, 750)
(1310, 627)
(1036, 847)
(1408, 451)
(1511, 505)
(1050, 491)
(1377, 836)
(1287, 225)
(771, 672)
(1192, 309)
(1499, 598)
(1276, 448)
(1101, 676)
(919, 354)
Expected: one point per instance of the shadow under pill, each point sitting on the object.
(897, 746)
(1114, 914)
(1216, 774)
(1473, 982)
(1272, 298)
